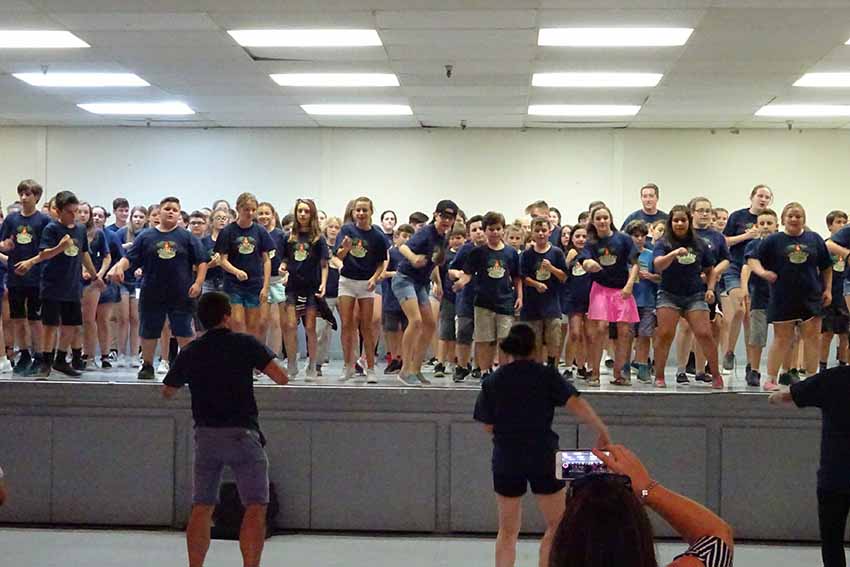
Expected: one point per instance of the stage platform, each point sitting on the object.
(106, 449)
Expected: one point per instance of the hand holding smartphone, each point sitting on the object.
(571, 464)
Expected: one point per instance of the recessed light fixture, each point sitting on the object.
(39, 39)
(335, 79)
(804, 110)
(171, 108)
(82, 79)
(601, 80)
(613, 37)
(582, 110)
(357, 109)
(306, 38)
(824, 80)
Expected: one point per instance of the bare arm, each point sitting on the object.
(276, 373)
(168, 392)
(579, 407)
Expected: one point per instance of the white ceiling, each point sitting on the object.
(742, 55)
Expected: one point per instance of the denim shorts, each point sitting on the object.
(247, 299)
(152, 319)
(110, 294)
(732, 278)
(241, 450)
(405, 288)
(682, 303)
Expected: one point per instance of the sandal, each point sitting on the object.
(620, 381)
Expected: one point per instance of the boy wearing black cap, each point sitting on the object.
(422, 253)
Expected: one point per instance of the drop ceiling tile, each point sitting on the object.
(148, 21)
(230, 19)
(457, 19)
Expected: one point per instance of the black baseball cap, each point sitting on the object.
(447, 207)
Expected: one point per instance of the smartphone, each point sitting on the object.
(571, 464)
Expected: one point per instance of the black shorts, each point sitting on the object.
(25, 303)
(836, 319)
(514, 470)
(794, 308)
(65, 313)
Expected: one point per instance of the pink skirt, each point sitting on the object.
(606, 304)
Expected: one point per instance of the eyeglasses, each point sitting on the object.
(197, 222)
(703, 211)
(583, 482)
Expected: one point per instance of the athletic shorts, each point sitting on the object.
(65, 313)
(25, 303)
(354, 288)
(546, 331)
(835, 319)
(491, 326)
(152, 319)
(235, 447)
(404, 289)
(646, 326)
(758, 328)
(514, 470)
(464, 330)
(393, 321)
(447, 330)
(682, 303)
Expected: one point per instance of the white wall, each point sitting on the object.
(412, 169)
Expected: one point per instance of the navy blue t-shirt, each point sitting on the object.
(4, 268)
(98, 249)
(244, 248)
(797, 261)
(555, 236)
(839, 269)
(536, 305)
(759, 289)
(648, 219)
(113, 228)
(121, 239)
(842, 238)
(368, 251)
(494, 271)
(390, 302)
(432, 245)
(216, 274)
(715, 243)
(519, 401)
(448, 293)
(465, 300)
(304, 262)
(682, 277)
(61, 276)
(25, 232)
(167, 260)
(645, 291)
(739, 222)
(579, 282)
(279, 239)
(616, 254)
(830, 391)
(332, 287)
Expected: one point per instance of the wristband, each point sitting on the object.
(644, 494)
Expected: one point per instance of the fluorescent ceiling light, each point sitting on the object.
(357, 109)
(595, 79)
(613, 37)
(582, 110)
(139, 108)
(82, 79)
(306, 38)
(335, 79)
(39, 39)
(824, 80)
(804, 110)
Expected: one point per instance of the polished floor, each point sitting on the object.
(108, 548)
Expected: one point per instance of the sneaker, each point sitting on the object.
(79, 364)
(422, 380)
(359, 369)
(163, 367)
(609, 363)
(795, 375)
(583, 373)
(347, 373)
(66, 369)
(785, 379)
(621, 381)
(476, 373)
(309, 374)
(439, 370)
(643, 374)
(39, 370)
(6, 366)
(593, 381)
(371, 377)
(146, 372)
(771, 386)
(388, 358)
(568, 373)
(105, 364)
(729, 361)
(113, 355)
(691, 366)
(22, 366)
(682, 378)
(660, 384)
(408, 379)
(393, 367)
(703, 378)
(460, 373)
(432, 362)
(753, 378)
(292, 369)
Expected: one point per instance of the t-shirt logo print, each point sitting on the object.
(73, 249)
(166, 249)
(797, 253)
(246, 245)
(359, 249)
(578, 270)
(838, 264)
(301, 252)
(542, 274)
(24, 235)
(606, 258)
(495, 269)
(688, 258)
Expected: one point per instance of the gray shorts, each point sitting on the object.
(646, 326)
(241, 450)
(394, 321)
(758, 327)
(447, 330)
(464, 330)
(683, 303)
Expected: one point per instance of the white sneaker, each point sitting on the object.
(292, 369)
(347, 373)
(5, 365)
(371, 377)
(163, 367)
(310, 373)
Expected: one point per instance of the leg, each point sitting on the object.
(598, 331)
(733, 309)
(134, 328)
(842, 348)
(367, 308)
(252, 534)
(668, 318)
(148, 350)
(198, 534)
(377, 310)
(310, 334)
(289, 322)
(810, 331)
(701, 326)
(833, 508)
(429, 325)
(103, 315)
(825, 343)
(274, 337)
(623, 345)
(684, 344)
(91, 295)
(254, 322)
(510, 521)
(349, 329)
(237, 317)
(412, 336)
(552, 508)
(783, 337)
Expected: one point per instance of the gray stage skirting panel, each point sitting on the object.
(388, 459)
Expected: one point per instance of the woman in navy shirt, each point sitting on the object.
(243, 247)
(611, 258)
(682, 259)
(798, 266)
(740, 228)
(363, 250)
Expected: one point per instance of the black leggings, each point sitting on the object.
(833, 508)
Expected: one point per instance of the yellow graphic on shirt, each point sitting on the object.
(797, 253)
(166, 249)
(72, 250)
(495, 269)
(246, 245)
(578, 270)
(838, 264)
(542, 274)
(606, 258)
(271, 253)
(301, 252)
(359, 248)
(24, 235)
(688, 258)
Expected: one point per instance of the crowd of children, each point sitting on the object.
(443, 283)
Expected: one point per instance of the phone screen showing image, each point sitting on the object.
(573, 464)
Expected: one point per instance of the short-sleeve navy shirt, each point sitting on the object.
(167, 260)
(494, 271)
(433, 246)
(536, 305)
(25, 232)
(244, 248)
(61, 276)
(739, 222)
(682, 277)
(616, 254)
(368, 251)
(304, 262)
